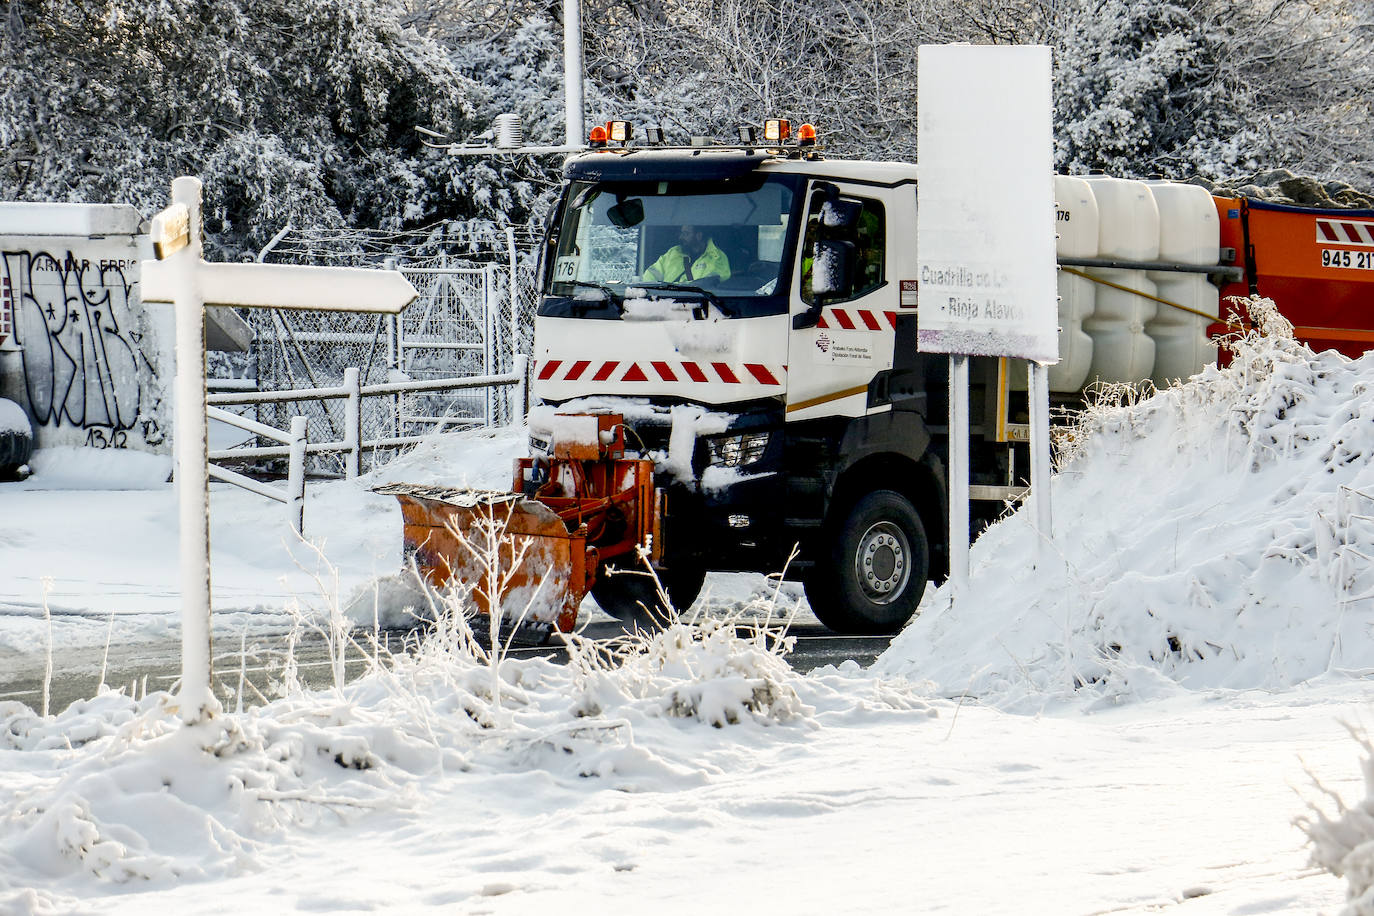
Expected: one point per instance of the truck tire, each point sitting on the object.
(872, 569)
(16, 439)
(635, 598)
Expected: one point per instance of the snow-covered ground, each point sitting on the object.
(1126, 717)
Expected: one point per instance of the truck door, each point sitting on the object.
(843, 303)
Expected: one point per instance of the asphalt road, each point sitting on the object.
(259, 664)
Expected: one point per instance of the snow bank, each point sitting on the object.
(71, 468)
(116, 792)
(1213, 535)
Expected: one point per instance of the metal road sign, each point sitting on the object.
(286, 286)
(181, 277)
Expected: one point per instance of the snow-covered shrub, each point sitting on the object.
(1343, 841)
(718, 669)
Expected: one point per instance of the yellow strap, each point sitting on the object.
(1143, 295)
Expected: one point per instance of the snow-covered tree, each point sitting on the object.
(299, 111)
(705, 66)
(305, 111)
(1179, 87)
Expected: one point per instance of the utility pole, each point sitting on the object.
(572, 71)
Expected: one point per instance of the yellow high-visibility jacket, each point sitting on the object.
(672, 267)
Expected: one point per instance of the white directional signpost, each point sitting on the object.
(180, 276)
(985, 241)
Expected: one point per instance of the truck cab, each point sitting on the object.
(745, 311)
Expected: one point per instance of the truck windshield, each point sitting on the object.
(725, 242)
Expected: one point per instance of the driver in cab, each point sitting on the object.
(694, 258)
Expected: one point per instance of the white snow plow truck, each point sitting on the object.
(725, 369)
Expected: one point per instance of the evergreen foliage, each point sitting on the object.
(304, 112)
(299, 111)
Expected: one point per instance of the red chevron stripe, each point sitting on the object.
(870, 319)
(1345, 232)
(761, 374)
(675, 372)
(891, 320)
(843, 319)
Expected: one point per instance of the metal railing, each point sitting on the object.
(352, 391)
(293, 496)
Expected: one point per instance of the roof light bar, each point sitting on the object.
(597, 137)
(654, 135)
(806, 135)
(747, 134)
(621, 132)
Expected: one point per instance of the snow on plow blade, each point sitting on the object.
(541, 570)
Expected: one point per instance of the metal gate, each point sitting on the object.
(474, 313)
(452, 330)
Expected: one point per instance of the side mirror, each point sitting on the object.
(627, 213)
(832, 267)
(841, 214)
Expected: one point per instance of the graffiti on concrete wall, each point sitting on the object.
(88, 369)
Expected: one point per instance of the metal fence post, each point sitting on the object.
(353, 422)
(488, 333)
(295, 474)
(521, 406)
(512, 268)
(395, 331)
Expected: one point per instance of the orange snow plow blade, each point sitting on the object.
(542, 570)
(568, 513)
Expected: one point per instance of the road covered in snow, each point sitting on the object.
(1132, 715)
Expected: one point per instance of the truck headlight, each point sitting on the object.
(737, 451)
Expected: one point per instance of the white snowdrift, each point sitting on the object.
(116, 793)
(1216, 534)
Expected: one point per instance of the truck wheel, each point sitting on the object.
(16, 439)
(634, 598)
(873, 567)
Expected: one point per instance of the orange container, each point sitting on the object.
(1317, 266)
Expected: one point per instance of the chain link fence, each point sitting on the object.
(474, 313)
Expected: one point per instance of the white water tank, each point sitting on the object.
(1128, 230)
(1189, 233)
(1076, 224)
